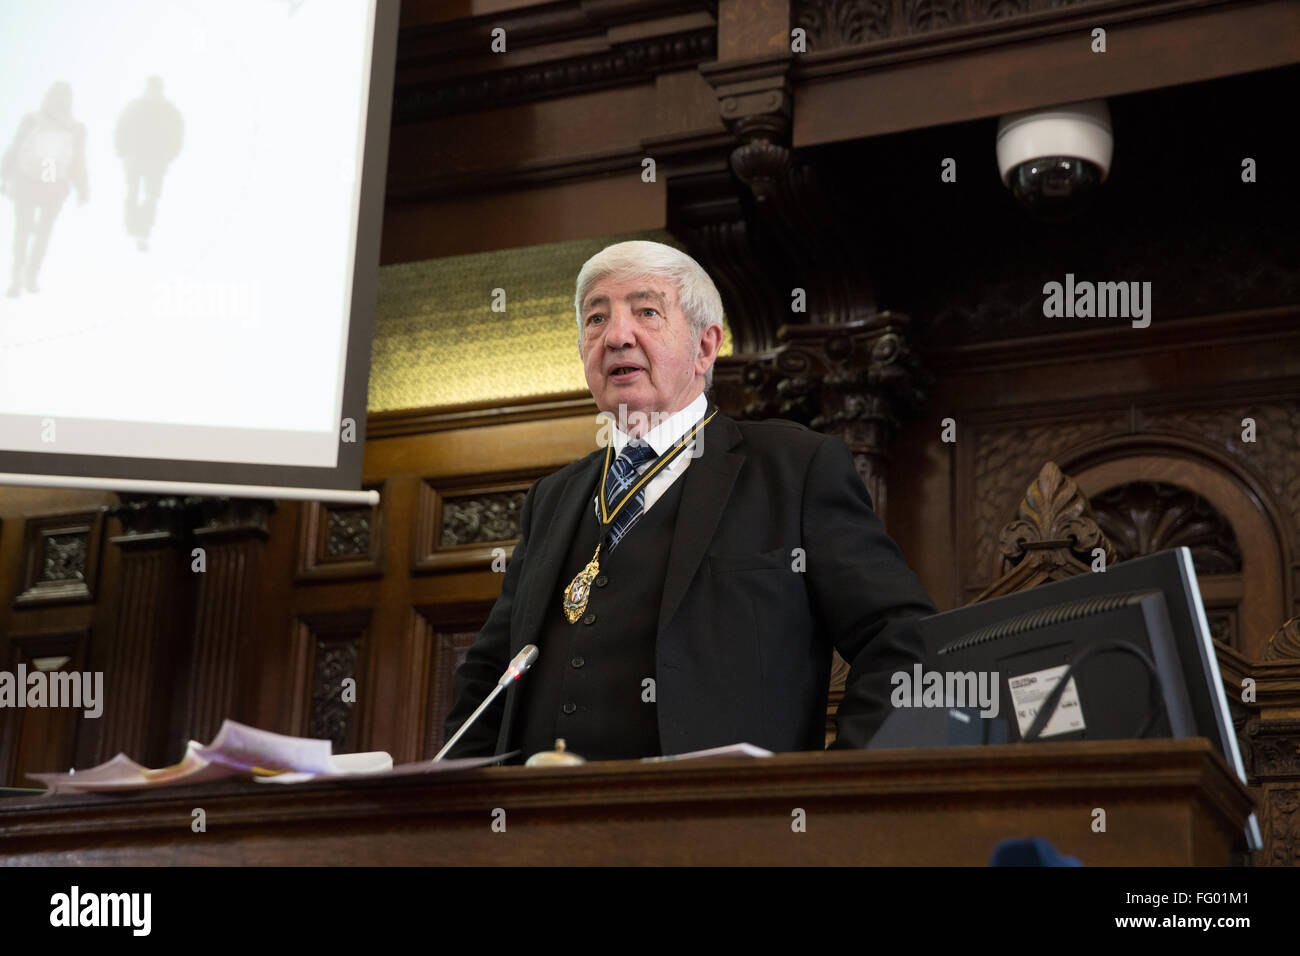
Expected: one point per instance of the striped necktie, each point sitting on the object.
(622, 476)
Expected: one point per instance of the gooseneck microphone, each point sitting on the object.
(523, 660)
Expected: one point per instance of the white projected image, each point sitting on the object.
(177, 227)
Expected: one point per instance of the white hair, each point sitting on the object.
(697, 296)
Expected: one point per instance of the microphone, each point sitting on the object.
(523, 660)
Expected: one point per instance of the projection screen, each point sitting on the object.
(189, 236)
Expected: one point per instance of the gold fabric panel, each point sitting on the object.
(438, 342)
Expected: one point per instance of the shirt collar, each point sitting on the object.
(669, 431)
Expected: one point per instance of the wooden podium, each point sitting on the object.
(1165, 803)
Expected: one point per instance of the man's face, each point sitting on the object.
(638, 349)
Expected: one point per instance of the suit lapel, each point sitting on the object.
(549, 545)
(707, 486)
(708, 482)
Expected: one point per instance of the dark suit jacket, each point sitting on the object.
(747, 623)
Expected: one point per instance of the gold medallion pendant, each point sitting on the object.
(579, 589)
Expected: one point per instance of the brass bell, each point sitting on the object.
(559, 757)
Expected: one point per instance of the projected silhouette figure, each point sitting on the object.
(148, 137)
(45, 160)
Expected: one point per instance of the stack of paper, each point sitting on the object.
(237, 751)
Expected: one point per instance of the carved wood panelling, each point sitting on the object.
(462, 522)
(1274, 455)
(331, 647)
(1143, 517)
(636, 61)
(60, 559)
(480, 518)
(438, 638)
(832, 24)
(42, 739)
(1223, 625)
(233, 536)
(338, 541)
(1285, 643)
(1282, 827)
(1053, 536)
(151, 628)
(1006, 460)
(1274, 748)
(1006, 456)
(449, 649)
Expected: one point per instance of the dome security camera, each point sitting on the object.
(1053, 160)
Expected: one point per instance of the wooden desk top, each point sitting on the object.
(1166, 802)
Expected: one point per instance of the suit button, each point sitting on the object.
(601, 581)
(569, 707)
(589, 619)
(577, 662)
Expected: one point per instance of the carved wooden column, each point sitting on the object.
(232, 533)
(1272, 751)
(804, 228)
(155, 602)
(855, 380)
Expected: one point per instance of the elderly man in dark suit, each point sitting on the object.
(686, 583)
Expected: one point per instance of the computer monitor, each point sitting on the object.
(1119, 650)
(1151, 604)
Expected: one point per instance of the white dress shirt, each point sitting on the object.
(661, 438)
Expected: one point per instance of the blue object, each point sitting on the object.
(1031, 851)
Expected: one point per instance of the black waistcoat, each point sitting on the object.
(588, 683)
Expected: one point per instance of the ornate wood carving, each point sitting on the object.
(793, 211)
(327, 648)
(1143, 517)
(1282, 827)
(437, 639)
(706, 211)
(1223, 625)
(347, 532)
(1275, 748)
(331, 715)
(835, 23)
(449, 648)
(1052, 539)
(1284, 645)
(1274, 455)
(923, 15)
(832, 24)
(464, 522)
(340, 541)
(60, 559)
(481, 518)
(633, 61)
(856, 381)
(1005, 458)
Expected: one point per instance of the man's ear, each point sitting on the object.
(708, 347)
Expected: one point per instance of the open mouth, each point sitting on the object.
(624, 371)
